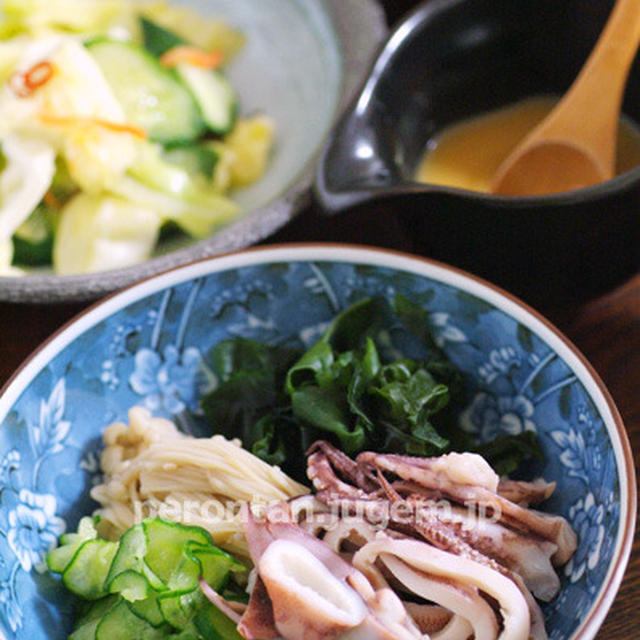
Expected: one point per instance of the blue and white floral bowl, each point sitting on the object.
(144, 346)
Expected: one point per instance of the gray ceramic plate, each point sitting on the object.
(303, 61)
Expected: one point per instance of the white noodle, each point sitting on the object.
(151, 468)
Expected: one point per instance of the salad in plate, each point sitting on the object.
(118, 126)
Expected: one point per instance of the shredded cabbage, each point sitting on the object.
(199, 215)
(10, 53)
(79, 16)
(29, 168)
(65, 109)
(97, 233)
(188, 200)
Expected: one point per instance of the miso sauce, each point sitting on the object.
(467, 154)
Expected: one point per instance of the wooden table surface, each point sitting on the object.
(605, 327)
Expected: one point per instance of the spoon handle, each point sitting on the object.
(596, 94)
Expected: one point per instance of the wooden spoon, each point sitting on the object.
(575, 145)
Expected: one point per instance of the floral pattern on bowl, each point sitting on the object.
(146, 346)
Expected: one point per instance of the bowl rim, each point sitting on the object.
(401, 261)
(359, 28)
(336, 200)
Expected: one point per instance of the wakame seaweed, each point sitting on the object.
(354, 387)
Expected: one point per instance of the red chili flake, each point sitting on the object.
(25, 83)
(38, 75)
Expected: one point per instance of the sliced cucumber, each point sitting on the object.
(85, 575)
(152, 97)
(120, 623)
(157, 39)
(213, 92)
(214, 564)
(178, 608)
(92, 613)
(194, 159)
(33, 239)
(166, 542)
(86, 631)
(149, 610)
(212, 624)
(129, 575)
(86, 531)
(59, 558)
(146, 586)
(215, 97)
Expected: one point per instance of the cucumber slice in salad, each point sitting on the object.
(215, 97)
(120, 623)
(195, 159)
(33, 239)
(157, 39)
(212, 91)
(86, 573)
(152, 97)
(146, 586)
(59, 559)
(88, 622)
(212, 623)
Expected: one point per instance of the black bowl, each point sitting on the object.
(450, 59)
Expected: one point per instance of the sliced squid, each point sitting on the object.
(458, 628)
(526, 493)
(466, 478)
(320, 472)
(422, 566)
(308, 600)
(527, 555)
(313, 593)
(258, 622)
(438, 622)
